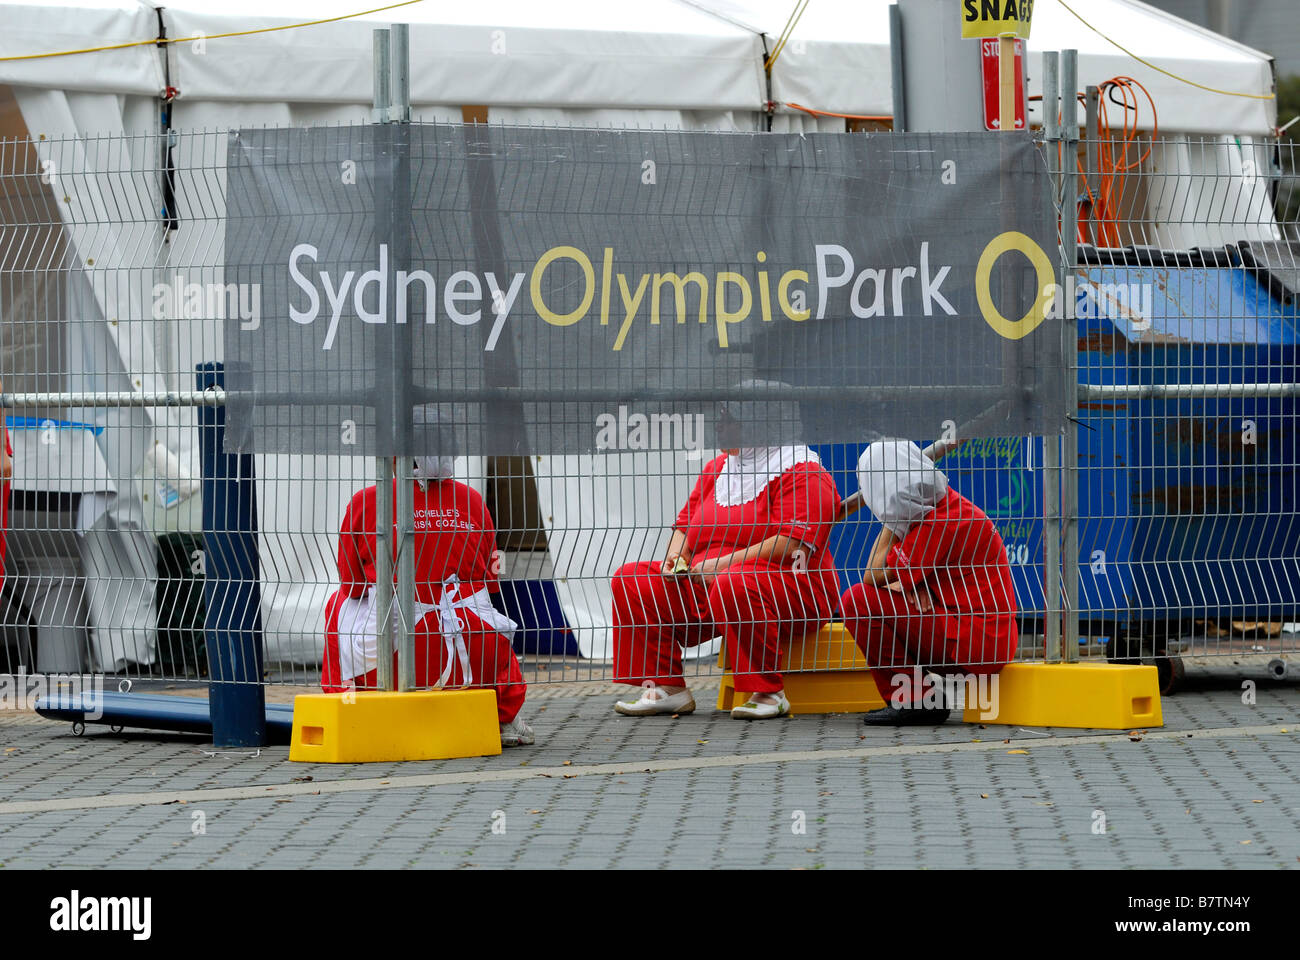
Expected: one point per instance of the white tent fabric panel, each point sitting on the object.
(602, 511)
(110, 213)
(1209, 192)
(32, 28)
(729, 120)
(116, 549)
(109, 218)
(655, 53)
(837, 57)
(806, 123)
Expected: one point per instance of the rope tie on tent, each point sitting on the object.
(791, 22)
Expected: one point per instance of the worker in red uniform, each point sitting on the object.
(937, 591)
(460, 638)
(747, 561)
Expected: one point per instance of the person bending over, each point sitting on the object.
(937, 592)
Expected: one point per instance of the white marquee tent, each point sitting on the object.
(665, 63)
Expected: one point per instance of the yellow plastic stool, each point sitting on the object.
(361, 727)
(824, 672)
(1103, 696)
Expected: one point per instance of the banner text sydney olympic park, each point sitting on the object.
(499, 290)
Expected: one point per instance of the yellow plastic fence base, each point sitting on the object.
(1106, 696)
(370, 727)
(837, 680)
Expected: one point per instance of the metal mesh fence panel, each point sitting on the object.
(585, 455)
(1185, 290)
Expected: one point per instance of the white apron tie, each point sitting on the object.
(359, 629)
(453, 636)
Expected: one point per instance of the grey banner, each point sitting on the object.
(501, 290)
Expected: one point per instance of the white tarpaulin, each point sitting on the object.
(653, 54)
(1207, 192)
(37, 28)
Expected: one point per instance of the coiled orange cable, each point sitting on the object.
(1113, 158)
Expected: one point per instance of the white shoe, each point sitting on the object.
(517, 733)
(652, 702)
(754, 710)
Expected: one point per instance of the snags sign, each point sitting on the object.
(985, 19)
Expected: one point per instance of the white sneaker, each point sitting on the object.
(652, 701)
(754, 710)
(517, 733)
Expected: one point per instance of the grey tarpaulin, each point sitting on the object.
(545, 286)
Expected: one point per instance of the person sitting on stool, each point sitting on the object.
(937, 591)
(460, 638)
(747, 560)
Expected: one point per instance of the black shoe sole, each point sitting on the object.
(894, 717)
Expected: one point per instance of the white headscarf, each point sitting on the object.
(433, 468)
(899, 483)
(746, 474)
(431, 428)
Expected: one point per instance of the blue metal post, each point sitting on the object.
(232, 581)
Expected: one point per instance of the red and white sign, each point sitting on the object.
(989, 71)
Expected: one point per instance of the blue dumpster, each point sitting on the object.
(1186, 506)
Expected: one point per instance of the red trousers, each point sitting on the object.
(754, 606)
(895, 637)
(491, 660)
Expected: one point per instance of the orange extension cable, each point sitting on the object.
(1113, 159)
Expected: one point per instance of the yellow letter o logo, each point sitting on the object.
(1003, 243)
(535, 286)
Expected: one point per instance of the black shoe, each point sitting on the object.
(906, 717)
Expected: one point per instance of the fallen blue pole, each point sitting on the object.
(231, 582)
(152, 712)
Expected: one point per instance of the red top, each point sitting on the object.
(454, 533)
(800, 503)
(957, 554)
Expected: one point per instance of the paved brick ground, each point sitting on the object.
(834, 796)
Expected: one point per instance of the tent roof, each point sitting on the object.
(75, 25)
(837, 58)
(582, 53)
(669, 54)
